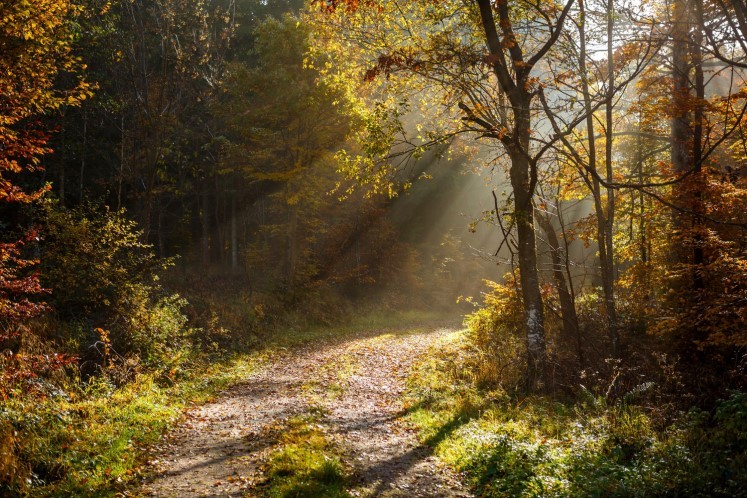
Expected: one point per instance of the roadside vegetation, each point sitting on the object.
(93, 439)
(599, 441)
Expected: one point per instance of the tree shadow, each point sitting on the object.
(388, 471)
(216, 454)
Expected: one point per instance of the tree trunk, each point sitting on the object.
(527, 251)
(120, 175)
(218, 245)
(292, 248)
(681, 111)
(604, 219)
(234, 235)
(567, 305)
(608, 268)
(146, 217)
(687, 134)
(513, 75)
(83, 155)
(205, 222)
(697, 154)
(61, 180)
(161, 234)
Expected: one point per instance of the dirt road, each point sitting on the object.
(357, 382)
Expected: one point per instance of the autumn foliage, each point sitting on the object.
(13, 284)
(36, 50)
(36, 46)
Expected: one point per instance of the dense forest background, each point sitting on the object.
(194, 136)
(180, 179)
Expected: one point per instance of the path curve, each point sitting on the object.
(219, 449)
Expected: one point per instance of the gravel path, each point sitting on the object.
(219, 449)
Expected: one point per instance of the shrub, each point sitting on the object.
(494, 331)
(157, 331)
(92, 259)
(592, 446)
(105, 294)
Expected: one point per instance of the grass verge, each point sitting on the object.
(543, 448)
(94, 440)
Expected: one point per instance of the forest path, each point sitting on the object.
(356, 382)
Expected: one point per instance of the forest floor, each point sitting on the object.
(328, 411)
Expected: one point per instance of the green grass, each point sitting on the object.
(307, 464)
(537, 447)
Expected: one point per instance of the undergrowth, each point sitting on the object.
(535, 446)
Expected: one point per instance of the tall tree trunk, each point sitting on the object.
(608, 269)
(527, 251)
(61, 192)
(681, 112)
(61, 181)
(604, 216)
(697, 154)
(512, 69)
(234, 234)
(218, 245)
(687, 133)
(641, 197)
(567, 305)
(120, 175)
(83, 155)
(146, 216)
(292, 248)
(205, 222)
(161, 232)
(195, 227)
